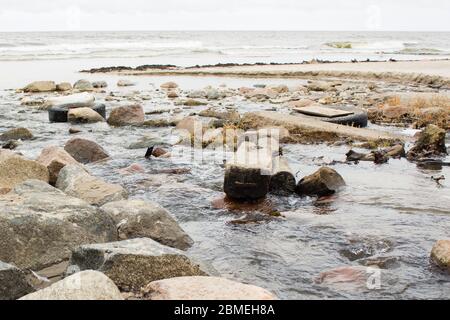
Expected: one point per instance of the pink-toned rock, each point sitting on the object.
(55, 158)
(204, 288)
(134, 168)
(127, 116)
(440, 254)
(85, 151)
(345, 278)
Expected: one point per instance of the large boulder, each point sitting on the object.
(431, 142)
(440, 254)
(204, 288)
(84, 115)
(141, 219)
(85, 151)
(40, 225)
(55, 158)
(127, 116)
(15, 169)
(79, 100)
(86, 285)
(132, 264)
(323, 182)
(77, 182)
(16, 134)
(13, 282)
(40, 86)
(83, 85)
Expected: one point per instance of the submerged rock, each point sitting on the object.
(125, 83)
(323, 182)
(16, 134)
(230, 115)
(40, 225)
(13, 282)
(204, 288)
(145, 142)
(349, 278)
(144, 219)
(15, 169)
(86, 285)
(76, 181)
(40, 86)
(440, 254)
(132, 264)
(84, 115)
(431, 142)
(11, 144)
(127, 116)
(85, 151)
(55, 158)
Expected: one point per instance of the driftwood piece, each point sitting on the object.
(247, 175)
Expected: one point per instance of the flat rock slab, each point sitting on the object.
(319, 111)
(316, 129)
(204, 288)
(132, 264)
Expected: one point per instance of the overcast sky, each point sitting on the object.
(46, 15)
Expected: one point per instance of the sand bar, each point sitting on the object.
(435, 73)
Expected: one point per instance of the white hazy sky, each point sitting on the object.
(47, 15)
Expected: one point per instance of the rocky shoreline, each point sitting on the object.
(110, 245)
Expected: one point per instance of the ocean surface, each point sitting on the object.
(201, 47)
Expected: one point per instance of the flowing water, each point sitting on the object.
(391, 213)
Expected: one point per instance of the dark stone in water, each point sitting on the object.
(364, 248)
(11, 145)
(149, 152)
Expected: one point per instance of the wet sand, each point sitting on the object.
(432, 72)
